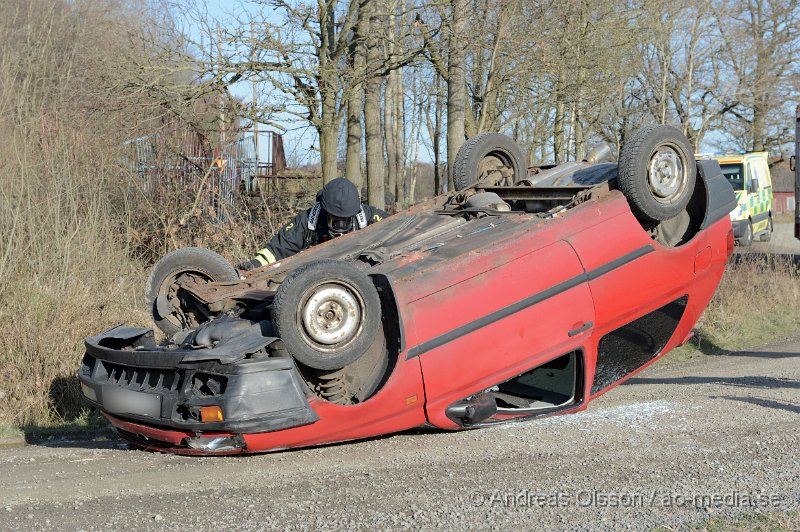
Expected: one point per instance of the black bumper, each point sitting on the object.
(125, 374)
(739, 228)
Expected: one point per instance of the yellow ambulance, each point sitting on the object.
(749, 175)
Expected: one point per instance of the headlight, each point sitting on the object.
(219, 444)
(736, 213)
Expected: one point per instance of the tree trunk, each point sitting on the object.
(580, 140)
(372, 120)
(437, 142)
(558, 124)
(399, 125)
(388, 130)
(328, 151)
(457, 84)
(399, 139)
(355, 96)
(329, 120)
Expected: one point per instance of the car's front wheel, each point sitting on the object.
(747, 238)
(172, 308)
(327, 313)
(657, 173)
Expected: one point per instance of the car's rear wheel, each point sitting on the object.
(657, 173)
(767, 235)
(172, 308)
(489, 157)
(327, 313)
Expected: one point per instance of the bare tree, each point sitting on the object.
(456, 83)
(301, 54)
(761, 41)
(677, 75)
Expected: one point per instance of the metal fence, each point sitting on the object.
(219, 177)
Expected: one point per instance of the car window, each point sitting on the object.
(757, 172)
(626, 349)
(763, 171)
(734, 174)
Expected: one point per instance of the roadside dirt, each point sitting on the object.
(679, 444)
(783, 242)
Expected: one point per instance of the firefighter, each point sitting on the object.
(338, 211)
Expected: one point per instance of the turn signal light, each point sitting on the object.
(210, 414)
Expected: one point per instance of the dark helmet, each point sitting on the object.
(341, 201)
(340, 198)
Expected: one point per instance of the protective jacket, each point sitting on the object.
(308, 228)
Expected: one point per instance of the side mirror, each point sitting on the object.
(753, 185)
(793, 163)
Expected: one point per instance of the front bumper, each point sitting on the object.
(739, 228)
(127, 376)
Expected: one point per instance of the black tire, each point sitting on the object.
(747, 238)
(177, 312)
(655, 198)
(484, 151)
(767, 236)
(350, 325)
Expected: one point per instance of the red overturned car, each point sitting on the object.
(527, 293)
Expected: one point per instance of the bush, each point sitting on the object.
(77, 231)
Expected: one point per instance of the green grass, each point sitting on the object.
(86, 426)
(761, 522)
(10, 434)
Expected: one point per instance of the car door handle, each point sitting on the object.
(585, 327)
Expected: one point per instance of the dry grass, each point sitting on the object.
(758, 300)
(73, 262)
(783, 217)
(76, 232)
(64, 270)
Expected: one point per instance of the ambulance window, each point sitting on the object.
(733, 173)
(757, 172)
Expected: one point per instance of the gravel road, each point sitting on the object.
(680, 444)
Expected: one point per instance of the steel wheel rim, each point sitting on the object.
(667, 174)
(330, 316)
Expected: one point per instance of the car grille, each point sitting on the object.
(144, 379)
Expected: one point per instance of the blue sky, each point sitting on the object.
(299, 142)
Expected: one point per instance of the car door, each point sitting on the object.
(762, 196)
(636, 285)
(499, 324)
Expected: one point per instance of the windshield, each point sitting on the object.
(734, 173)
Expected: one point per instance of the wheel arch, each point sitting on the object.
(392, 318)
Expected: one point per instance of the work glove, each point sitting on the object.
(248, 265)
